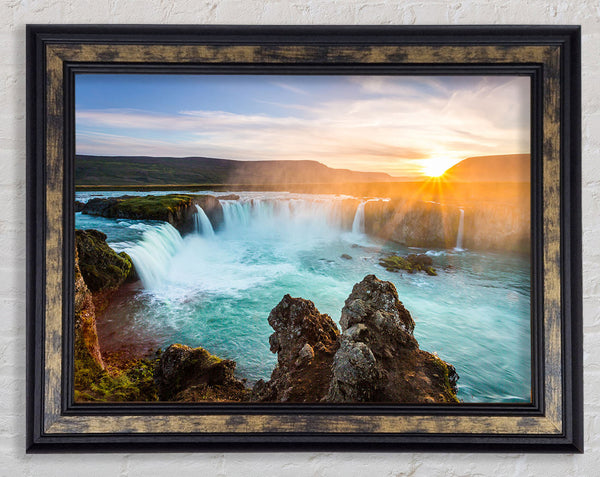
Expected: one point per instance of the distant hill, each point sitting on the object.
(503, 168)
(144, 170)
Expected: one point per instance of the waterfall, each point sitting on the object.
(235, 213)
(152, 255)
(358, 225)
(292, 218)
(202, 222)
(461, 227)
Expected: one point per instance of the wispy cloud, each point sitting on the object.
(289, 87)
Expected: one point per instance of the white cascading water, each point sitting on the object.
(358, 224)
(234, 213)
(290, 219)
(163, 257)
(461, 228)
(202, 222)
(152, 256)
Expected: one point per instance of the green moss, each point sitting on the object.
(153, 207)
(135, 383)
(442, 368)
(431, 271)
(101, 267)
(396, 263)
(411, 264)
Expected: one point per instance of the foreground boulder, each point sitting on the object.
(193, 374)
(376, 358)
(379, 359)
(177, 209)
(305, 342)
(103, 269)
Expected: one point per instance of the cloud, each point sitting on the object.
(385, 126)
(289, 87)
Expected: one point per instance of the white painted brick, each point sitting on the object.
(14, 14)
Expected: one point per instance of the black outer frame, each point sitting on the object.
(571, 441)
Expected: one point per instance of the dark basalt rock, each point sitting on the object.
(305, 342)
(102, 268)
(193, 374)
(345, 256)
(375, 359)
(79, 206)
(379, 359)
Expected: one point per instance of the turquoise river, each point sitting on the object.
(215, 288)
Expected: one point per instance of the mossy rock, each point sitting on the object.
(134, 383)
(181, 367)
(411, 264)
(153, 207)
(101, 267)
(177, 209)
(132, 276)
(449, 377)
(396, 263)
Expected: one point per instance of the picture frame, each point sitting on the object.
(549, 55)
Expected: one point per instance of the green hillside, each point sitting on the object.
(143, 170)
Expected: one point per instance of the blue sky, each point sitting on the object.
(397, 124)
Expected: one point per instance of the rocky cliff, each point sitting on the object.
(176, 209)
(87, 349)
(376, 358)
(379, 359)
(305, 342)
(487, 226)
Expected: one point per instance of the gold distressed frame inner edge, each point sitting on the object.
(54, 423)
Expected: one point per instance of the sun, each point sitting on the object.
(435, 167)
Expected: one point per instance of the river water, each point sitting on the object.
(215, 288)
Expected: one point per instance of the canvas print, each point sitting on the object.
(302, 239)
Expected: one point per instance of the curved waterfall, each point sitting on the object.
(152, 255)
(202, 223)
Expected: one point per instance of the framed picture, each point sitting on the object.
(304, 237)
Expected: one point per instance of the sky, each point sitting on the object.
(406, 126)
